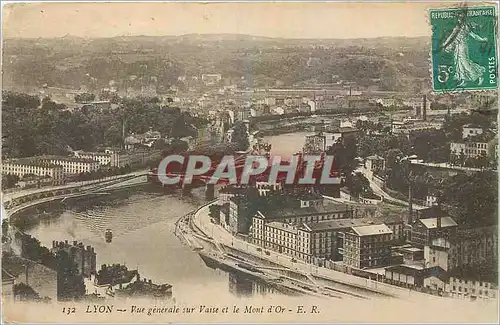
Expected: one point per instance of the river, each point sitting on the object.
(142, 221)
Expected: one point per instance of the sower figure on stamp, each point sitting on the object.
(465, 68)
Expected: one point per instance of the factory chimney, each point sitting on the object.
(123, 133)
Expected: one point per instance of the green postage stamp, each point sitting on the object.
(464, 49)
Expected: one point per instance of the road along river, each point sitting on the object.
(143, 221)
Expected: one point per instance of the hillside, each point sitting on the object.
(71, 62)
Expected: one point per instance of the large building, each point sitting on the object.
(481, 145)
(25, 166)
(424, 231)
(327, 237)
(309, 211)
(70, 165)
(307, 241)
(367, 246)
(137, 157)
(455, 281)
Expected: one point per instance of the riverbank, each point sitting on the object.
(201, 222)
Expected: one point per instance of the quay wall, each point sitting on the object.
(329, 274)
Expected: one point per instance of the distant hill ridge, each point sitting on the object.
(70, 62)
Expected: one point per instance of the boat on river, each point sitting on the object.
(108, 235)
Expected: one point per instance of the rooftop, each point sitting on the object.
(297, 211)
(431, 223)
(335, 224)
(63, 158)
(404, 269)
(372, 230)
(30, 162)
(81, 152)
(374, 157)
(411, 249)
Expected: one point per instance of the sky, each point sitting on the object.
(286, 20)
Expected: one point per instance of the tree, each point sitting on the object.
(29, 130)
(474, 196)
(215, 212)
(181, 127)
(33, 250)
(24, 292)
(430, 145)
(84, 98)
(358, 185)
(240, 136)
(9, 181)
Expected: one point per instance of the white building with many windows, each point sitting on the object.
(70, 165)
(22, 167)
(469, 149)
